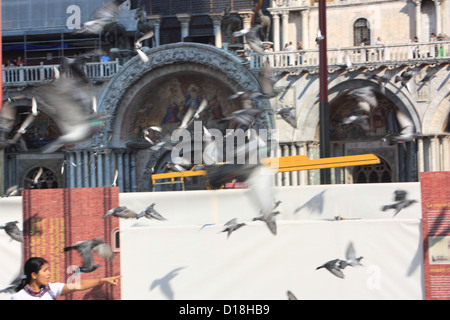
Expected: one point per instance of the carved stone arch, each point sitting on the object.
(310, 125)
(165, 61)
(437, 112)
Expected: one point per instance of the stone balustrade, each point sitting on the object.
(37, 74)
(368, 56)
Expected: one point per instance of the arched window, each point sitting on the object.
(115, 240)
(361, 32)
(40, 178)
(376, 173)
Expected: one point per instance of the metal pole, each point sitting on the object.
(324, 113)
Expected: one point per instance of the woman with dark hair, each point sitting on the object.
(36, 283)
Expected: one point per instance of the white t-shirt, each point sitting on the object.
(56, 288)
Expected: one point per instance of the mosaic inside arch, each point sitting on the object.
(166, 103)
(381, 121)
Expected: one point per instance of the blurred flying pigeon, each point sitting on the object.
(400, 202)
(138, 45)
(246, 98)
(358, 117)
(69, 100)
(267, 80)
(150, 213)
(12, 191)
(291, 296)
(87, 249)
(102, 16)
(319, 36)
(147, 133)
(13, 231)
(350, 256)
(382, 81)
(334, 267)
(11, 288)
(121, 212)
(405, 77)
(406, 133)
(365, 97)
(286, 114)
(270, 221)
(430, 74)
(232, 226)
(252, 37)
(243, 118)
(7, 120)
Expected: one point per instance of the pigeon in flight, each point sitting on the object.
(430, 74)
(270, 221)
(382, 81)
(358, 117)
(405, 77)
(232, 226)
(13, 231)
(7, 120)
(121, 212)
(252, 37)
(400, 202)
(102, 16)
(319, 36)
(246, 98)
(87, 248)
(138, 45)
(11, 288)
(365, 97)
(291, 296)
(350, 256)
(12, 191)
(243, 118)
(334, 266)
(267, 80)
(70, 101)
(287, 115)
(150, 213)
(406, 133)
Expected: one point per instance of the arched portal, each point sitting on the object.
(159, 92)
(366, 136)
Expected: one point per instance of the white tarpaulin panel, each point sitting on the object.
(187, 262)
(178, 259)
(10, 250)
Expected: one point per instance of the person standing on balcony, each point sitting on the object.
(378, 42)
(433, 52)
(300, 52)
(415, 49)
(20, 62)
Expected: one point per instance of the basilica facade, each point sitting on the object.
(193, 56)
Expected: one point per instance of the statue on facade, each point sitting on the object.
(116, 35)
(264, 23)
(231, 23)
(143, 27)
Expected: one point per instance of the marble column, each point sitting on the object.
(184, 20)
(120, 183)
(418, 28)
(284, 28)
(156, 20)
(276, 30)
(437, 7)
(217, 25)
(305, 28)
(246, 17)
